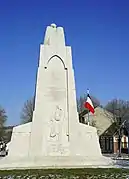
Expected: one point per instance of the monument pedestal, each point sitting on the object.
(54, 138)
(56, 162)
(83, 153)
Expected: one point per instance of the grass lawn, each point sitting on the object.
(86, 173)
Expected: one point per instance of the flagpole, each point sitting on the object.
(88, 118)
(88, 110)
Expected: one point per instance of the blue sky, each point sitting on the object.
(97, 30)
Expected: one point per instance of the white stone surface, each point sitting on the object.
(55, 138)
(20, 141)
(102, 118)
(56, 162)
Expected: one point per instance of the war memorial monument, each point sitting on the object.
(54, 138)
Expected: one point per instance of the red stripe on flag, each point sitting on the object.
(89, 107)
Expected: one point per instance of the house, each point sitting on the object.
(107, 130)
(109, 140)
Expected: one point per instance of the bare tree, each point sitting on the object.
(27, 111)
(119, 109)
(3, 119)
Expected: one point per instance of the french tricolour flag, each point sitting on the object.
(88, 104)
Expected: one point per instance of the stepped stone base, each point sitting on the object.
(55, 162)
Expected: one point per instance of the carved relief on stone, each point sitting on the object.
(56, 123)
(52, 132)
(57, 132)
(58, 113)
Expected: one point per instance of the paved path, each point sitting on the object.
(116, 155)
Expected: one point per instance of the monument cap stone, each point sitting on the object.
(53, 25)
(54, 37)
